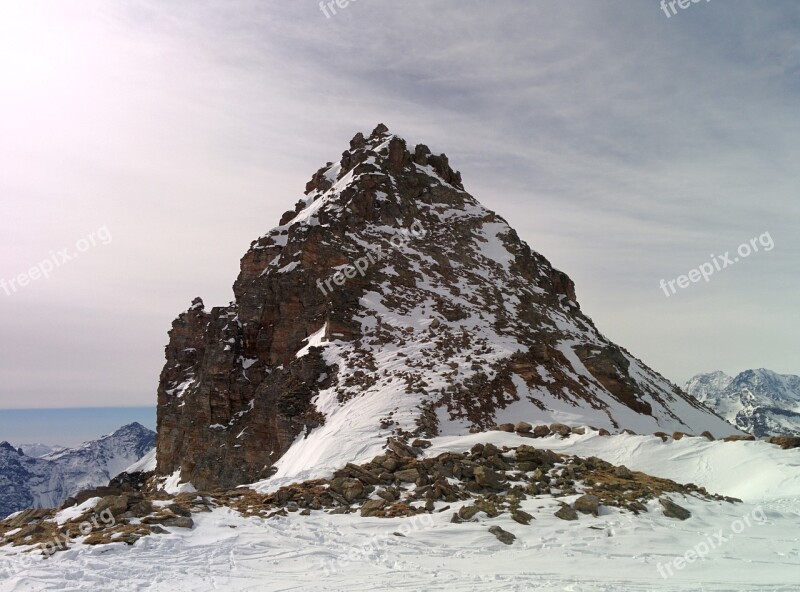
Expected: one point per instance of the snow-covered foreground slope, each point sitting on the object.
(753, 546)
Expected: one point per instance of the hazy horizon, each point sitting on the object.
(69, 427)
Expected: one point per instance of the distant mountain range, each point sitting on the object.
(31, 481)
(761, 402)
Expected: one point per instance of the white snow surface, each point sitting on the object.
(609, 553)
(145, 464)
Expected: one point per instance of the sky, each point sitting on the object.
(69, 427)
(144, 144)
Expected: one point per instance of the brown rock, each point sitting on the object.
(673, 510)
(587, 504)
(373, 507)
(407, 475)
(786, 442)
(487, 478)
(541, 431)
(116, 504)
(566, 513)
(503, 536)
(740, 439)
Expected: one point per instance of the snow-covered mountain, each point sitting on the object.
(38, 450)
(761, 402)
(390, 302)
(29, 482)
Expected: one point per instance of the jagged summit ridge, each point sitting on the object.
(454, 327)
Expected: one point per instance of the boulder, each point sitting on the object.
(503, 536)
(673, 510)
(407, 475)
(785, 442)
(468, 512)
(566, 513)
(116, 504)
(522, 517)
(523, 427)
(487, 478)
(587, 504)
(560, 429)
(373, 507)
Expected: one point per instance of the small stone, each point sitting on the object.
(178, 522)
(373, 507)
(673, 510)
(785, 442)
(523, 427)
(503, 536)
(179, 510)
(407, 475)
(740, 439)
(623, 472)
(156, 529)
(566, 513)
(560, 429)
(486, 477)
(708, 436)
(468, 512)
(505, 427)
(522, 517)
(541, 431)
(588, 504)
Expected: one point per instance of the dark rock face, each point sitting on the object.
(480, 320)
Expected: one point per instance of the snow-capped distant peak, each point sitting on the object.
(758, 401)
(30, 482)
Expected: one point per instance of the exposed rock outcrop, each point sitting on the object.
(390, 288)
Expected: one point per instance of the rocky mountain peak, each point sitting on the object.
(389, 302)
